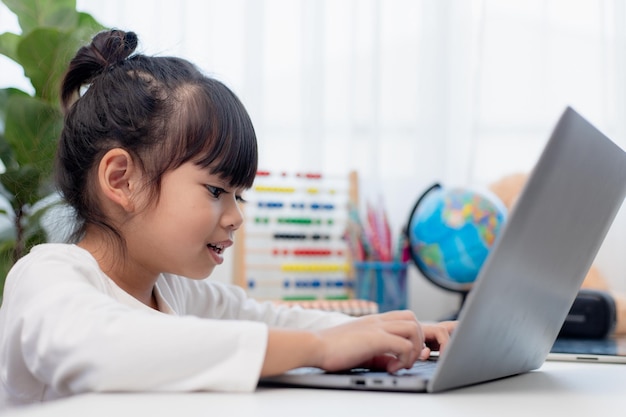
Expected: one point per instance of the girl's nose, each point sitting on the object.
(233, 216)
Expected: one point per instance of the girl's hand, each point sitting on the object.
(389, 341)
(436, 337)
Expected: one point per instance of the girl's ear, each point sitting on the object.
(118, 178)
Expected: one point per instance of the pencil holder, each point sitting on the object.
(383, 283)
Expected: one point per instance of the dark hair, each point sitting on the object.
(162, 110)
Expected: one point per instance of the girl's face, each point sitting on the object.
(189, 227)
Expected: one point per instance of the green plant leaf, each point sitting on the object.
(35, 234)
(23, 185)
(45, 54)
(6, 152)
(86, 28)
(51, 33)
(8, 45)
(7, 231)
(6, 262)
(32, 14)
(32, 129)
(5, 94)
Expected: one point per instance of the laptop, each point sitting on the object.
(523, 293)
(606, 350)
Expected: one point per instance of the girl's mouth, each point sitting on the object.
(216, 248)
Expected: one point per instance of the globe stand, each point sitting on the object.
(440, 281)
(455, 315)
(447, 285)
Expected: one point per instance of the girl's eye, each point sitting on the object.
(215, 191)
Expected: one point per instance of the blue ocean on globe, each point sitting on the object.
(451, 232)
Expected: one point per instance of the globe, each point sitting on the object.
(451, 231)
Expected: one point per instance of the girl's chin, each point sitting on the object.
(198, 274)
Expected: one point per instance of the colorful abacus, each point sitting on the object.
(292, 246)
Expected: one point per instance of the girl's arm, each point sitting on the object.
(301, 337)
(209, 299)
(390, 341)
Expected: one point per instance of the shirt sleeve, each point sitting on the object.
(62, 330)
(212, 299)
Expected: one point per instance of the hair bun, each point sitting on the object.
(114, 46)
(106, 50)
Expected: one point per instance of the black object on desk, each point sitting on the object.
(592, 316)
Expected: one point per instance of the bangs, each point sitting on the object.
(215, 132)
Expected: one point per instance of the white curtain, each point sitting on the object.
(406, 92)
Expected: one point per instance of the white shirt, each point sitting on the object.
(67, 328)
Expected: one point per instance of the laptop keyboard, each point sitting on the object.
(421, 368)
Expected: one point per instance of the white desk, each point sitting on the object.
(556, 389)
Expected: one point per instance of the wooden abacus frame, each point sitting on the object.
(241, 250)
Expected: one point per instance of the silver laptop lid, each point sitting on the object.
(522, 295)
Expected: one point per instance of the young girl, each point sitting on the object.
(153, 159)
